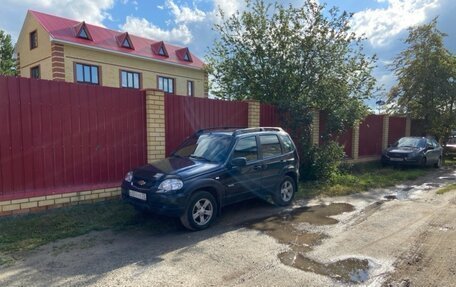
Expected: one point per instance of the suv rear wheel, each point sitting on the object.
(285, 193)
(200, 212)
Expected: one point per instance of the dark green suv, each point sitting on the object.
(214, 168)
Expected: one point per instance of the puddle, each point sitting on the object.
(390, 197)
(447, 177)
(433, 184)
(285, 228)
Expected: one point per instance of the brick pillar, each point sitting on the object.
(254, 114)
(355, 144)
(315, 128)
(385, 131)
(58, 62)
(155, 124)
(408, 126)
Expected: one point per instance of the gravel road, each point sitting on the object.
(407, 238)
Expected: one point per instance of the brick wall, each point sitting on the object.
(40, 203)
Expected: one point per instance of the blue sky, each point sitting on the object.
(189, 22)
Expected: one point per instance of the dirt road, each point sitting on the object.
(402, 236)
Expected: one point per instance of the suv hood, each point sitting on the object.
(180, 166)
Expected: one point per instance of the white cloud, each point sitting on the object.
(228, 7)
(381, 25)
(185, 14)
(142, 27)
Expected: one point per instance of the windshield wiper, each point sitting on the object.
(199, 157)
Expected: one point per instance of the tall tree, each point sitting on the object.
(7, 62)
(298, 58)
(426, 73)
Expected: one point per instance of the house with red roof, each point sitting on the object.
(55, 48)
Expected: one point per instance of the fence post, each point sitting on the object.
(315, 127)
(408, 126)
(155, 124)
(254, 114)
(355, 144)
(385, 132)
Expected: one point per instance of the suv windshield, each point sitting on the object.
(209, 147)
(411, 142)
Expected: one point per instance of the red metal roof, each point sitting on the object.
(64, 30)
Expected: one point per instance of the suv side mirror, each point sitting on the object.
(239, 161)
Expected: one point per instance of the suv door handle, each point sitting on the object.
(258, 167)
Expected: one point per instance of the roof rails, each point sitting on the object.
(259, 129)
(219, 128)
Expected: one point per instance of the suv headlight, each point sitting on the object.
(129, 176)
(170, 184)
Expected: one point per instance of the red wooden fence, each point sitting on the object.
(396, 129)
(57, 137)
(184, 115)
(371, 135)
(269, 116)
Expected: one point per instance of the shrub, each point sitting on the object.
(323, 162)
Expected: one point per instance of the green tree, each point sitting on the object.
(297, 58)
(426, 73)
(7, 62)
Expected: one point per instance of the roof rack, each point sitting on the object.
(259, 129)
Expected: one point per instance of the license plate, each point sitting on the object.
(138, 195)
(396, 159)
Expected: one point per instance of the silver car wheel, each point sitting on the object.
(202, 211)
(286, 191)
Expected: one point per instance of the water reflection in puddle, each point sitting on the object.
(285, 229)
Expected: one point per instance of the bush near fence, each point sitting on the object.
(63, 143)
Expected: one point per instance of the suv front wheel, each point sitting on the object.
(285, 193)
(201, 211)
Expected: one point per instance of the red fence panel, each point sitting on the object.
(59, 137)
(184, 115)
(269, 116)
(396, 129)
(370, 135)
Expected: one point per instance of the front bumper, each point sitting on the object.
(401, 161)
(169, 204)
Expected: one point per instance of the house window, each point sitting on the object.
(33, 40)
(35, 72)
(190, 88)
(126, 44)
(162, 52)
(186, 57)
(87, 74)
(166, 84)
(83, 34)
(129, 80)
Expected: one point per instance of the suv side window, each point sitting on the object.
(287, 143)
(270, 146)
(246, 147)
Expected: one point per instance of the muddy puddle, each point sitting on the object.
(286, 228)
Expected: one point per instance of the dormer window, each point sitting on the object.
(124, 41)
(162, 52)
(83, 34)
(126, 44)
(184, 55)
(82, 31)
(159, 49)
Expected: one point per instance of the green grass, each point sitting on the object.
(26, 232)
(360, 178)
(448, 188)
